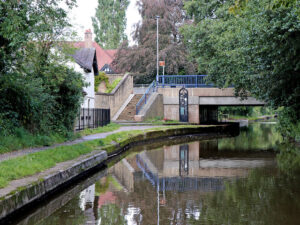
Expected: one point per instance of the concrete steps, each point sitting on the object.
(116, 116)
(129, 112)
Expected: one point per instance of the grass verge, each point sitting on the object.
(160, 121)
(23, 139)
(107, 128)
(250, 118)
(33, 163)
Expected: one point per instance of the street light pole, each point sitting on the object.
(157, 68)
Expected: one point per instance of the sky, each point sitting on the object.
(81, 16)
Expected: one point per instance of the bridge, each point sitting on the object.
(203, 98)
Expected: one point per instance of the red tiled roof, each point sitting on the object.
(103, 56)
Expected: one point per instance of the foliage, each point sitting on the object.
(246, 111)
(112, 86)
(38, 92)
(239, 110)
(141, 58)
(110, 22)
(100, 78)
(289, 124)
(256, 48)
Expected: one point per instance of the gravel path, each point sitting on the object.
(22, 152)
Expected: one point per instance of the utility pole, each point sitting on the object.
(157, 55)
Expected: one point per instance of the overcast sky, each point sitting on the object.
(81, 16)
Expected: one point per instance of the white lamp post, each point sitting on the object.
(157, 68)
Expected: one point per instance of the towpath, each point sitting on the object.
(22, 152)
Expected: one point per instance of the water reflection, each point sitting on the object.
(203, 182)
(166, 185)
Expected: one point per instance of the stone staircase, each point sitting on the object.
(130, 111)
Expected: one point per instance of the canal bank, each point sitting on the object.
(33, 188)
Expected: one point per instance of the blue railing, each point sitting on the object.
(145, 97)
(183, 81)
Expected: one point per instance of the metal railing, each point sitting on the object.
(145, 97)
(92, 118)
(183, 81)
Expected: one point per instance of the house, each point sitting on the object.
(86, 63)
(90, 58)
(104, 57)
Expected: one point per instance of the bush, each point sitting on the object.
(112, 86)
(99, 78)
(289, 124)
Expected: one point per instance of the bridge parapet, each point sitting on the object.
(205, 92)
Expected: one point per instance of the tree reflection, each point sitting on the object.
(258, 136)
(259, 199)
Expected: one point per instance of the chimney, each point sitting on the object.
(88, 41)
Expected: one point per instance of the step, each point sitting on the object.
(130, 110)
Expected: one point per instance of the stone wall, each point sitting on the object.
(117, 97)
(153, 108)
(11, 201)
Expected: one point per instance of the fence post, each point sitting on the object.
(83, 123)
(79, 118)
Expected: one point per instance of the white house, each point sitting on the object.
(86, 64)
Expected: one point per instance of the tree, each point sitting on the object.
(254, 45)
(141, 58)
(110, 22)
(38, 92)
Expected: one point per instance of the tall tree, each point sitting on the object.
(254, 45)
(141, 58)
(38, 92)
(110, 22)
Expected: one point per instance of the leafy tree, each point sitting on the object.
(38, 92)
(254, 45)
(141, 58)
(110, 22)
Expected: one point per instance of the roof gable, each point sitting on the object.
(103, 56)
(86, 58)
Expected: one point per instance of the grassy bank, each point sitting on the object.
(250, 118)
(31, 164)
(107, 128)
(23, 139)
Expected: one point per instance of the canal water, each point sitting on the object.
(240, 180)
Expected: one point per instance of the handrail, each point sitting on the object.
(183, 81)
(145, 97)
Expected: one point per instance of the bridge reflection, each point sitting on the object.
(193, 166)
(183, 168)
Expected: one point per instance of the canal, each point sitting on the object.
(240, 180)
